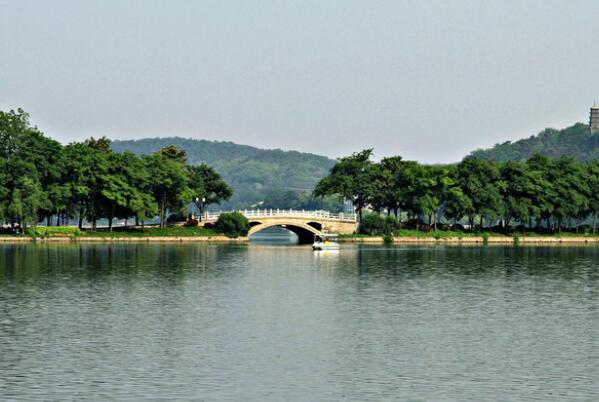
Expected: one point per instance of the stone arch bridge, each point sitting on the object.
(303, 223)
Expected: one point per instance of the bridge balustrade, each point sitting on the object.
(287, 213)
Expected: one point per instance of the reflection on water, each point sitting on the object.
(264, 322)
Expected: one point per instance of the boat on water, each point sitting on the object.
(325, 242)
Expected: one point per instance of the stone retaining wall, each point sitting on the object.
(149, 239)
(475, 240)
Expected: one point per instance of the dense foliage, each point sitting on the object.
(42, 180)
(544, 193)
(232, 224)
(576, 141)
(253, 173)
(378, 225)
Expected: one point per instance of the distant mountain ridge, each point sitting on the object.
(576, 141)
(251, 171)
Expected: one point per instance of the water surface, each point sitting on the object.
(272, 322)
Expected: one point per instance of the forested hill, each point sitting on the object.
(252, 172)
(576, 141)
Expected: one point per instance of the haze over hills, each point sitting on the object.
(251, 171)
(576, 141)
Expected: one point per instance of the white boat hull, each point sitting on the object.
(317, 247)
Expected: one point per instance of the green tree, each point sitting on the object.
(480, 182)
(540, 168)
(207, 186)
(388, 185)
(519, 192)
(352, 178)
(169, 181)
(571, 190)
(593, 175)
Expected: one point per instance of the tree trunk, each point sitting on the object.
(126, 218)
(559, 225)
(48, 220)
(594, 222)
(162, 203)
(110, 224)
(481, 223)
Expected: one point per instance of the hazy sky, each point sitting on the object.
(429, 80)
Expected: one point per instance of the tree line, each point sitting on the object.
(541, 192)
(42, 180)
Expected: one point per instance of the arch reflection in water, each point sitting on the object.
(276, 235)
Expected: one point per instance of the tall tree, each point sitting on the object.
(593, 175)
(352, 178)
(169, 181)
(480, 181)
(207, 186)
(388, 175)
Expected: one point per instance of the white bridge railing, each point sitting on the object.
(286, 213)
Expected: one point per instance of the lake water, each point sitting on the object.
(276, 322)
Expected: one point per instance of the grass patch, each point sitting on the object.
(53, 231)
(355, 236)
(442, 234)
(171, 231)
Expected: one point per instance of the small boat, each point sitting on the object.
(325, 242)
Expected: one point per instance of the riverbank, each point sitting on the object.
(474, 239)
(148, 234)
(122, 239)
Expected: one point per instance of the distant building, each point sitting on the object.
(594, 119)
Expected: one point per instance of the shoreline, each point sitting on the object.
(124, 239)
(499, 240)
(404, 240)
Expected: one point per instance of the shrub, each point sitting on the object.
(191, 222)
(373, 224)
(425, 228)
(232, 224)
(56, 231)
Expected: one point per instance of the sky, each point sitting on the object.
(427, 80)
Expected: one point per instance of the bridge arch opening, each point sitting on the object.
(315, 225)
(304, 232)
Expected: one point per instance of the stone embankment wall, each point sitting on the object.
(477, 240)
(152, 239)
